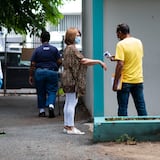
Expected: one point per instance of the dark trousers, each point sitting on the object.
(136, 91)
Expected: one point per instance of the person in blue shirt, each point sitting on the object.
(45, 62)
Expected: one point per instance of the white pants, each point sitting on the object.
(69, 109)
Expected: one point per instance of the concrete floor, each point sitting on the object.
(25, 136)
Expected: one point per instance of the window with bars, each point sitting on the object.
(66, 22)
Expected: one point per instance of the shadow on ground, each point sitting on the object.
(22, 110)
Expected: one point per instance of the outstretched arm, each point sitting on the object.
(91, 62)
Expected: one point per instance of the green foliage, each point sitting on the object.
(29, 16)
(126, 138)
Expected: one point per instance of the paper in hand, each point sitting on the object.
(107, 54)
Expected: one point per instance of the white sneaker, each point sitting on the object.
(75, 131)
(51, 106)
(64, 130)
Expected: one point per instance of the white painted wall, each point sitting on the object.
(143, 17)
(87, 50)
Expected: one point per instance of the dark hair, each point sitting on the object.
(45, 36)
(123, 28)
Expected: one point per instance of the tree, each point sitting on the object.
(29, 16)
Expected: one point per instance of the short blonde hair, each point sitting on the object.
(70, 35)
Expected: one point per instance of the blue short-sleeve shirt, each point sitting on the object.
(46, 56)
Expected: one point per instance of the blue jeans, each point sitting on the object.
(136, 91)
(46, 82)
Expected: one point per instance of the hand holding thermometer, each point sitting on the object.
(107, 54)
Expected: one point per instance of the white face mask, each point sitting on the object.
(77, 40)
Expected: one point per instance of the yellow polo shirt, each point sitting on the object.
(130, 51)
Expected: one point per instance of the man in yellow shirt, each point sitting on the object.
(129, 57)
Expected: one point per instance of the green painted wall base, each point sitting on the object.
(147, 129)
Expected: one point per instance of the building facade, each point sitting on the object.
(99, 21)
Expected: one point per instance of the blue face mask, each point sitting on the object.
(77, 40)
